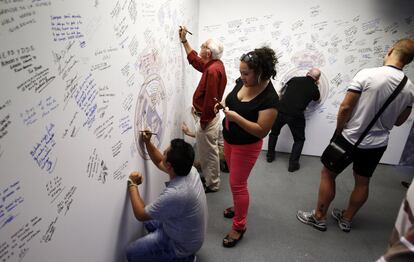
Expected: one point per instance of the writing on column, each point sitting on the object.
(66, 27)
(85, 98)
(42, 152)
(10, 200)
(38, 111)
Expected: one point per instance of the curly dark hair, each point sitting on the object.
(262, 61)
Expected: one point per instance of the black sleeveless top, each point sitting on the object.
(236, 135)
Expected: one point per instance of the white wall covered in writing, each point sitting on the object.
(79, 79)
(339, 37)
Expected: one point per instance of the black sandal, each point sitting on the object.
(228, 212)
(231, 242)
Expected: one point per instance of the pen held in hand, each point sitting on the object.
(148, 132)
(220, 105)
(186, 30)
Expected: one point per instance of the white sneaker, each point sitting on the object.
(343, 224)
(309, 219)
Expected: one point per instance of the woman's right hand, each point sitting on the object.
(219, 105)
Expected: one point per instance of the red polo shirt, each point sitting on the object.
(212, 84)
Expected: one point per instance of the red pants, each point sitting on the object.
(241, 159)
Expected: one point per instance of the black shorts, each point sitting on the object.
(365, 160)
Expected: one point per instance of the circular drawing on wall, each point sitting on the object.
(303, 61)
(150, 112)
(323, 87)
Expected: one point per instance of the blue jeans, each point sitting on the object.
(155, 246)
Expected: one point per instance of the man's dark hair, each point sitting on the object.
(180, 156)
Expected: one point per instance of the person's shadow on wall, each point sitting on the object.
(130, 228)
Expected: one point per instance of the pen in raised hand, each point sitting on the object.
(148, 132)
(182, 28)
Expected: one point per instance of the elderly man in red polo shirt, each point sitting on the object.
(212, 84)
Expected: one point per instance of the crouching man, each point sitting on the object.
(176, 221)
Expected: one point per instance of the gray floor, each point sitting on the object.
(274, 233)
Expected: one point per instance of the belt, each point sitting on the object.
(197, 113)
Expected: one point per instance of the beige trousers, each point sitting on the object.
(208, 151)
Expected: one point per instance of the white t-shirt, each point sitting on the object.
(375, 86)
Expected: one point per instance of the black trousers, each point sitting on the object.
(297, 127)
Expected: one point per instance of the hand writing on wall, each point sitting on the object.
(136, 177)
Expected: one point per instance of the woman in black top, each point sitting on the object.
(250, 110)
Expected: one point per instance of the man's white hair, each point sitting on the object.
(216, 48)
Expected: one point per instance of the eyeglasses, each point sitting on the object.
(249, 57)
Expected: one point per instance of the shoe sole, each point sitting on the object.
(339, 220)
(311, 224)
(293, 168)
(208, 190)
(270, 159)
(235, 241)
